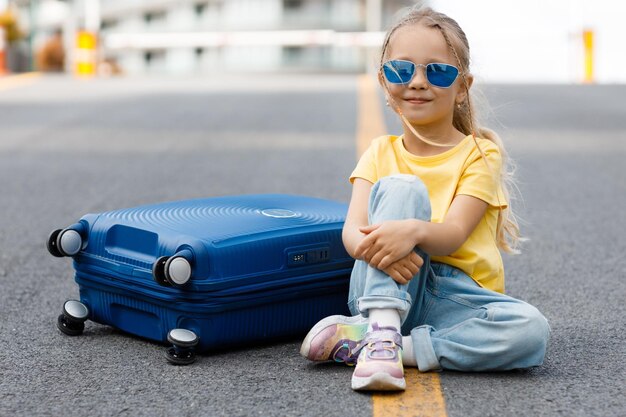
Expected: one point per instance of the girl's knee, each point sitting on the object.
(401, 193)
(534, 341)
(528, 330)
(538, 328)
(404, 182)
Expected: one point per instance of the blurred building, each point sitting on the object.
(187, 36)
(529, 41)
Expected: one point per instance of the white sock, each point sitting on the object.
(408, 354)
(385, 317)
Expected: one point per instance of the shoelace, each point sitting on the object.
(345, 352)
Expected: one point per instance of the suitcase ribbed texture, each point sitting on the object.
(259, 322)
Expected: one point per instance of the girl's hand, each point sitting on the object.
(403, 270)
(386, 242)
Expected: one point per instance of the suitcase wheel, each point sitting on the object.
(67, 242)
(51, 244)
(158, 271)
(182, 352)
(177, 270)
(171, 271)
(72, 321)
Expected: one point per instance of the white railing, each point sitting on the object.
(115, 41)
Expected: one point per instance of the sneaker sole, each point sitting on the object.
(324, 323)
(378, 382)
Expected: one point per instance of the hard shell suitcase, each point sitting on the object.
(208, 273)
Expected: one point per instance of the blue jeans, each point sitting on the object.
(453, 322)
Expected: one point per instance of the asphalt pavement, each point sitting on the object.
(68, 148)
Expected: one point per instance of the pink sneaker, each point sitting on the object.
(379, 365)
(334, 338)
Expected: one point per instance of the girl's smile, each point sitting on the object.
(418, 101)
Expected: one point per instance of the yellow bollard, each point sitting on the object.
(588, 43)
(85, 54)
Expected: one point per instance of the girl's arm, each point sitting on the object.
(389, 241)
(357, 215)
(404, 268)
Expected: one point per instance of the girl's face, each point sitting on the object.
(422, 103)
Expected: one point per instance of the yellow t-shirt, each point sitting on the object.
(459, 170)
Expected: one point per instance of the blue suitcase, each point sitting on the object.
(208, 273)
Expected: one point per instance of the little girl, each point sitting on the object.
(428, 214)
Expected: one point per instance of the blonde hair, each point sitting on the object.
(464, 120)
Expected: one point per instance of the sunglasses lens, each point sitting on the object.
(399, 72)
(441, 75)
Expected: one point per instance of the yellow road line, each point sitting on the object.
(423, 396)
(370, 121)
(14, 81)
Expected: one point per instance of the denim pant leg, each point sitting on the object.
(395, 197)
(470, 328)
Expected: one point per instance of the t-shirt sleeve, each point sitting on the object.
(366, 167)
(481, 180)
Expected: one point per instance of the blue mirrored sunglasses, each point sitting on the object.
(401, 72)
